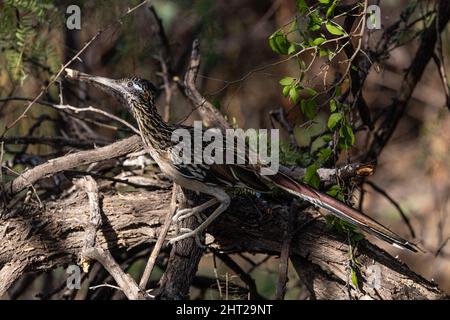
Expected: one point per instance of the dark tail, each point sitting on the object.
(341, 210)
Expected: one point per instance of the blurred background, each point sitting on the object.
(240, 75)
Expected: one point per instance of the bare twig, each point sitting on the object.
(123, 280)
(216, 277)
(167, 86)
(53, 141)
(424, 53)
(28, 107)
(77, 110)
(161, 32)
(208, 112)
(280, 116)
(105, 285)
(92, 109)
(395, 204)
(284, 254)
(125, 181)
(443, 244)
(159, 243)
(69, 161)
(439, 60)
(244, 276)
(61, 70)
(2, 186)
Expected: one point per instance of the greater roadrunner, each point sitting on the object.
(215, 179)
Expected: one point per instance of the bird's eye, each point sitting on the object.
(129, 84)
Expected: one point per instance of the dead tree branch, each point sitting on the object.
(208, 112)
(161, 238)
(43, 239)
(91, 252)
(123, 280)
(70, 161)
(423, 55)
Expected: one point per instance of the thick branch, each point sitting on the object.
(70, 161)
(40, 240)
(91, 252)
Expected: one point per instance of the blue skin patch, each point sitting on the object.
(137, 87)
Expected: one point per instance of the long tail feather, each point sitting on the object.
(341, 210)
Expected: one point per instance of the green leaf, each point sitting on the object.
(324, 154)
(318, 41)
(216, 103)
(311, 176)
(293, 26)
(286, 81)
(273, 44)
(336, 192)
(334, 120)
(302, 75)
(334, 29)
(327, 137)
(324, 52)
(286, 90)
(293, 94)
(330, 10)
(338, 91)
(354, 279)
(310, 91)
(302, 6)
(279, 43)
(291, 49)
(346, 132)
(333, 105)
(324, 1)
(315, 22)
(309, 108)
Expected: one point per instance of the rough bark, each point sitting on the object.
(42, 239)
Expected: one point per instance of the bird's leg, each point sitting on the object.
(224, 203)
(188, 212)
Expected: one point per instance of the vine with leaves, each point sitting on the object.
(316, 36)
(24, 32)
(315, 30)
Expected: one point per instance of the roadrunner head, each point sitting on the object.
(138, 96)
(133, 92)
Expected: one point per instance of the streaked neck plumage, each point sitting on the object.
(154, 131)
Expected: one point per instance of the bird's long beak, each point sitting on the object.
(103, 83)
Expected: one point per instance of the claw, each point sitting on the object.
(186, 213)
(187, 233)
(181, 213)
